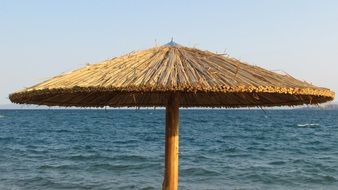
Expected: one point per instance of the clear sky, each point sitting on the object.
(40, 39)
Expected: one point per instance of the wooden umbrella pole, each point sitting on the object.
(170, 181)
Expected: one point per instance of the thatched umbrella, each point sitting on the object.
(172, 76)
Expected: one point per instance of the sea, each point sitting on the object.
(123, 149)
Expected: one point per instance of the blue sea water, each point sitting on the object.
(124, 149)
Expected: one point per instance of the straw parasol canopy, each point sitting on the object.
(172, 76)
(144, 78)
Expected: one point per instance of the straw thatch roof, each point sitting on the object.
(145, 78)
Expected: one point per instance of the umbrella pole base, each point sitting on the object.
(170, 181)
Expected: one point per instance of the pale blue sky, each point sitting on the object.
(40, 39)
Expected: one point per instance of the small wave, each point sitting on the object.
(148, 188)
(308, 125)
(277, 163)
(301, 161)
(6, 139)
(133, 158)
(200, 172)
(239, 155)
(118, 167)
(329, 178)
(38, 151)
(87, 157)
(2, 116)
(58, 167)
(62, 131)
(125, 141)
(321, 179)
